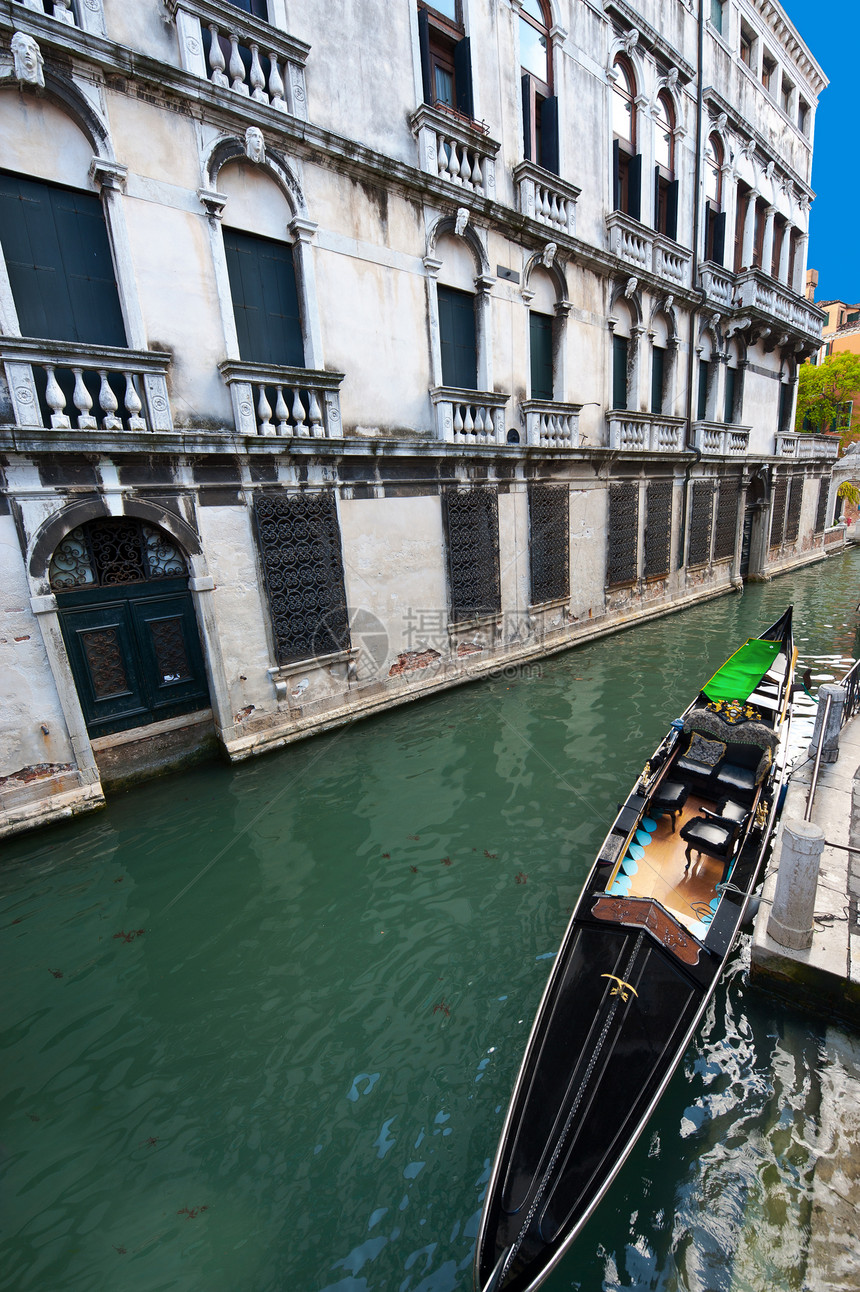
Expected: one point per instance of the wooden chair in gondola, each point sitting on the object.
(715, 833)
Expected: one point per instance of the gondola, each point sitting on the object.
(641, 957)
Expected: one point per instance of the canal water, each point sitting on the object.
(260, 1024)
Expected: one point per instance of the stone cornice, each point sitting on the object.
(775, 17)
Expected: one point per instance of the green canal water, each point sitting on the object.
(260, 1024)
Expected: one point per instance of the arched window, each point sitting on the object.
(659, 363)
(734, 389)
(540, 106)
(715, 219)
(621, 339)
(458, 311)
(665, 184)
(446, 64)
(543, 336)
(626, 161)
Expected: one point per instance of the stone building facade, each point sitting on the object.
(351, 352)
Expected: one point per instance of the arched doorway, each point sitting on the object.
(129, 625)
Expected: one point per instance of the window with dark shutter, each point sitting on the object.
(540, 106)
(549, 542)
(726, 527)
(457, 338)
(731, 387)
(300, 550)
(446, 62)
(59, 262)
(701, 520)
(259, 8)
(821, 510)
(795, 503)
(540, 345)
(622, 539)
(658, 370)
(658, 528)
(471, 518)
(265, 300)
(619, 371)
(777, 516)
(704, 373)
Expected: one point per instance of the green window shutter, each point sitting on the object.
(59, 262)
(658, 362)
(731, 380)
(424, 47)
(457, 338)
(616, 175)
(540, 345)
(619, 371)
(526, 90)
(463, 76)
(634, 187)
(549, 134)
(265, 300)
(704, 369)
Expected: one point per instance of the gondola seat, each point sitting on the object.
(717, 769)
(670, 797)
(714, 835)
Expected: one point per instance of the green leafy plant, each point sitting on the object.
(825, 391)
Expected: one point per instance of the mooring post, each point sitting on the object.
(790, 921)
(830, 750)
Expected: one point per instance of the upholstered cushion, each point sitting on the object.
(708, 836)
(732, 777)
(706, 752)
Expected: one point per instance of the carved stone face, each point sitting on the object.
(28, 59)
(255, 146)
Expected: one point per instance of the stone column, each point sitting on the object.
(749, 232)
(790, 921)
(830, 749)
(784, 253)
(767, 241)
(303, 232)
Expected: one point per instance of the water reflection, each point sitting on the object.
(291, 1069)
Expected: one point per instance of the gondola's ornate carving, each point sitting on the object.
(622, 554)
(549, 547)
(640, 912)
(701, 514)
(303, 571)
(726, 526)
(472, 532)
(658, 528)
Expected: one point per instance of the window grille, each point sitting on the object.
(777, 518)
(110, 553)
(726, 527)
(795, 502)
(472, 531)
(623, 535)
(300, 548)
(821, 511)
(658, 528)
(549, 532)
(701, 520)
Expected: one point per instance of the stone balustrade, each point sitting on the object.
(453, 149)
(287, 402)
(718, 285)
(235, 51)
(645, 432)
(671, 261)
(757, 290)
(550, 425)
(792, 445)
(469, 416)
(643, 249)
(725, 440)
(546, 198)
(62, 10)
(61, 386)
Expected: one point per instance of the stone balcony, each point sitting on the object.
(455, 149)
(646, 251)
(293, 403)
(718, 285)
(469, 417)
(789, 444)
(757, 291)
(645, 432)
(235, 51)
(544, 197)
(721, 439)
(67, 387)
(551, 425)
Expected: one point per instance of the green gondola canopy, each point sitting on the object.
(742, 672)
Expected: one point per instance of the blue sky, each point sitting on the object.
(830, 29)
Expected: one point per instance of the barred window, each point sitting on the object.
(821, 511)
(658, 528)
(300, 547)
(795, 502)
(623, 534)
(472, 531)
(549, 533)
(777, 516)
(701, 520)
(726, 526)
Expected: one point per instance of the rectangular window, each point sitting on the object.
(821, 510)
(665, 204)
(457, 338)
(777, 515)
(726, 527)
(658, 373)
(540, 346)
(540, 125)
(549, 536)
(744, 198)
(265, 300)
(717, 15)
(785, 95)
(701, 519)
(658, 528)
(731, 388)
(704, 375)
(59, 262)
(795, 504)
(803, 116)
(758, 232)
(768, 72)
(747, 46)
(302, 562)
(446, 63)
(715, 234)
(622, 555)
(471, 519)
(779, 227)
(619, 371)
(259, 8)
(785, 396)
